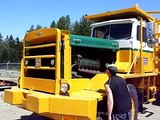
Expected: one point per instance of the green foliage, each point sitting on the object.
(1, 37)
(38, 27)
(85, 27)
(53, 24)
(64, 23)
(81, 27)
(32, 28)
(10, 50)
(76, 28)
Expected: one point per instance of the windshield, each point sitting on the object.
(113, 31)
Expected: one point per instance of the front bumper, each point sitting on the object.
(42, 103)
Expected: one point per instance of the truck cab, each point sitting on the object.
(126, 30)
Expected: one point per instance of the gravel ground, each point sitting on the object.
(151, 112)
(11, 112)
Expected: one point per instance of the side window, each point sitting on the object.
(101, 32)
(144, 34)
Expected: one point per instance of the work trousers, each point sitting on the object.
(124, 116)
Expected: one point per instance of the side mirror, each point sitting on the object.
(151, 43)
(150, 34)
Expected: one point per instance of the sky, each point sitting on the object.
(17, 16)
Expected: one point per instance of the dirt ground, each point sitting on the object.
(10, 112)
(151, 112)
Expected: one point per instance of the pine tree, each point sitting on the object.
(61, 23)
(64, 23)
(5, 55)
(68, 23)
(85, 27)
(76, 28)
(38, 27)
(19, 49)
(53, 24)
(82, 27)
(6, 38)
(31, 28)
(1, 37)
(11, 42)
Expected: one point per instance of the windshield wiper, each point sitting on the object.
(125, 38)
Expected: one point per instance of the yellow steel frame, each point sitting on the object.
(120, 13)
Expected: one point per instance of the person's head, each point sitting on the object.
(111, 69)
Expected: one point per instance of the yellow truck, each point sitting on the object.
(62, 75)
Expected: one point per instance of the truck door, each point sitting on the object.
(147, 51)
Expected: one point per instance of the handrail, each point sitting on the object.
(40, 56)
(40, 46)
(42, 67)
(133, 61)
(153, 12)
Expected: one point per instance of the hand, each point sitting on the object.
(109, 118)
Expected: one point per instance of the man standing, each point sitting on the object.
(118, 98)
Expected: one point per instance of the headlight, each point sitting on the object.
(64, 88)
(26, 62)
(38, 62)
(52, 62)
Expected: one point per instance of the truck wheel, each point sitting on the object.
(134, 100)
(102, 109)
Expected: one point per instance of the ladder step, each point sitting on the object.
(153, 88)
(41, 46)
(157, 46)
(40, 56)
(157, 59)
(157, 21)
(157, 34)
(43, 68)
(151, 100)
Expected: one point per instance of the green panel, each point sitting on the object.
(83, 41)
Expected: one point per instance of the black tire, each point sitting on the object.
(134, 100)
(102, 109)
